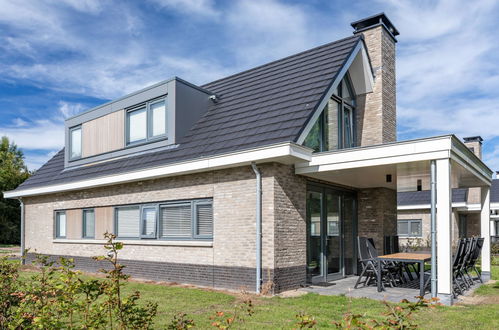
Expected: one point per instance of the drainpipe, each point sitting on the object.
(433, 178)
(258, 227)
(23, 243)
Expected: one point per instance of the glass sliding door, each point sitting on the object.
(331, 227)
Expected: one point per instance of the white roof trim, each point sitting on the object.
(383, 154)
(426, 206)
(368, 82)
(494, 206)
(287, 153)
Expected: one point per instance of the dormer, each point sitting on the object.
(152, 119)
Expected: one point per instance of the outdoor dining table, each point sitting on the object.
(413, 258)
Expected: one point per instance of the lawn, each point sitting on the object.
(277, 312)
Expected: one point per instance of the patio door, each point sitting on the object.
(330, 226)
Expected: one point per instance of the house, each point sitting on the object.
(266, 176)
(413, 206)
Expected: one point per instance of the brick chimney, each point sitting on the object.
(376, 111)
(474, 143)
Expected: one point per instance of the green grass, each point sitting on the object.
(277, 312)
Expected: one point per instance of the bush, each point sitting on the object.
(59, 297)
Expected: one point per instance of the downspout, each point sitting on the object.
(258, 227)
(433, 178)
(23, 243)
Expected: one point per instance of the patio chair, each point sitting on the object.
(459, 282)
(394, 270)
(391, 245)
(369, 265)
(473, 258)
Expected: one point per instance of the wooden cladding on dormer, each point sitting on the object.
(103, 134)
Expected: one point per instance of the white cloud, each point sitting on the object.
(41, 135)
(67, 109)
(197, 7)
(35, 161)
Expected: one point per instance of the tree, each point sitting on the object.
(13, 172)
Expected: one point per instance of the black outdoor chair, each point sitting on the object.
(369, 265)
(472, 260)
(459, 283)
(392, 246)
(394, 270)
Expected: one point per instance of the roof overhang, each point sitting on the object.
(462, 207)
(285, 153)
(365, 167)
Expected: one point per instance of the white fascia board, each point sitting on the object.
(467, 159)
(384, 154)
(494, 206)
(285, 152)
(330, 91)
(425, 206)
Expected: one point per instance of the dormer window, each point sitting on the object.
(147, 122)
(75, 142)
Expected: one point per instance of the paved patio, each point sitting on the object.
(346, 285)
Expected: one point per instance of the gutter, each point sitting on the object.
(23, 243)
(258, 227)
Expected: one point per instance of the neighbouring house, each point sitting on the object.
(413, 206)
(266, 176)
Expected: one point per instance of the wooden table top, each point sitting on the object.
(407, 256)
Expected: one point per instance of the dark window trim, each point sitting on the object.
(142, 220)
(409, 228)
(195, 220)
(71, 130)
(147, 107)
(57, 225)
(84, 233)
(158, 206)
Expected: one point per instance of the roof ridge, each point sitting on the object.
(280, 60)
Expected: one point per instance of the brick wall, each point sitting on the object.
(232, 255)
(377, 214)
(376, 114)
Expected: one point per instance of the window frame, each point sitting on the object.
(157, 235)
(71, 130)
(155, 207)
(84, 233)
(149, 122)
(194, 220)
(116, 221)
(57, 224)
(342, 104)
(409, 221)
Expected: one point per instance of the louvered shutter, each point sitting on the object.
(175, 221)
(128, 222)
(204, 220)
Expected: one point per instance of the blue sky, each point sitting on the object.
(60, 57)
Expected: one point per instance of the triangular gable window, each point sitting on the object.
(335, 127)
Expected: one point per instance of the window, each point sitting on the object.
(60, 224)
(147, 123)
(127, 222)
(204, 220)
(409, 228)
(88, 224)
(75, 142)
(148, 222)
(175, 220)
(335, 127)
(419, 185)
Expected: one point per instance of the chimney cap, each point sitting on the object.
(375, 20)
(473, 139)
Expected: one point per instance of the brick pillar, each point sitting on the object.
(377, 214)
(376, 111)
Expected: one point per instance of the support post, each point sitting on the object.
(433, 189)
(485, 232)
(443, 235)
